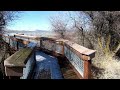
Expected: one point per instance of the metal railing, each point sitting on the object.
(79, 56)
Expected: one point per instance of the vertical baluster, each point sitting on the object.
(62, 47)
(17, 44)
(5, 38)
(9, 40)
(41, 44)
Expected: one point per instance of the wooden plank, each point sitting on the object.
(13, 71)
(18, 59)
(80, 48)
(77, 47)
(12, 58)
(69, 73)
(72, 77)
(83, 52)
(81, 55)
(22, 60)
(28, 37)
(67, 70)
(14, 64)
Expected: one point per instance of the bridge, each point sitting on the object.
(34, 57)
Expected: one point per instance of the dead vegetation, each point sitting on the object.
(99, 30)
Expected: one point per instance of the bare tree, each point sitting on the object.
(106, 27)
(81, 26)
(59, 25)
(5, 18)
(78, 25)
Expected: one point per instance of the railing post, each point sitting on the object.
(87, 69)
(9, 40)
(5, 38)
(40, 43)
(62, 48)
(17, 45)
(55, 49)
(28, 39)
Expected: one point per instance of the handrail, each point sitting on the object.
(14, 42)
(21, 62)
(27, 37)
(18, 59)
(79, 56)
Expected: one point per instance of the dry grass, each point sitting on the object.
(105, 67)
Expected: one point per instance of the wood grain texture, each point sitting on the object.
(18, 59)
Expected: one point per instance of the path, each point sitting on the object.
(47, 67)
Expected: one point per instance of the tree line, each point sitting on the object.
(103, 28)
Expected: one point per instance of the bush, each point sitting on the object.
(105, 67)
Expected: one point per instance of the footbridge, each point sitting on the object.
(34, 57)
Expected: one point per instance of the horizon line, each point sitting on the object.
(26, 30)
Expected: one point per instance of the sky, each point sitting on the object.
(32, 20)
(38, 20)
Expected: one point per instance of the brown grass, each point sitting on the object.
(105, 67)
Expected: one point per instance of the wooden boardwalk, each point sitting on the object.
(53, 60)
(67, 70)
(47, 67)
(68, 73)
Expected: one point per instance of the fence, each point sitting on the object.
(21, 63)
(79, 56)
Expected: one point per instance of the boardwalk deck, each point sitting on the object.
(68, 72)
(47, 67)
(75, 59)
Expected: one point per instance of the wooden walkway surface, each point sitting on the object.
(65, 68)
(67, 71)
(47, 67)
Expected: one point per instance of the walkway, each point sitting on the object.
(68, 71)
(47, 67)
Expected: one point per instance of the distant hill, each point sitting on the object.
(19, 31)
(43, 31)
(34, 33)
